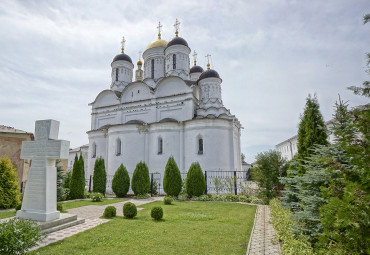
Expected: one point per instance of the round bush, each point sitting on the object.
(195, 181)
(129, 210)
(140, 182)
(96, 197)
(157, 213)
(168, 200)
(110, 211)
(172, 181)
(121, 181)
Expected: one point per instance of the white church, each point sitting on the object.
(168, 109)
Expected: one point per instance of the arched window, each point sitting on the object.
(117, 74)
(174, 61)
(200, 145)
(94, 150)
(152, 68)
(160, 145)
(118, 147)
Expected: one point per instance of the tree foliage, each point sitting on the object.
(77, 184)
(140, 183)
(100, 176)
(195, 181)
(172, 181)
(60, 178)
(270, 165)
(121, 181)
(9, 188)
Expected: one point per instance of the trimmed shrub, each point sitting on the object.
(18, 235)
(172, 181)
(231, 198)
(121, 181)
(168, 200)
(9, 188)
(142, 196)
(195, 182)
(96, 197)
(157, 213)
(182, 197)
(140, 183)
(60, 207)
(110, 211)
(100, 176)
(77, 185)
(86, 194)
(256, 200)
(129, 210)
(244, 199)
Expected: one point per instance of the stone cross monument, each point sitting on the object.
(40, 196)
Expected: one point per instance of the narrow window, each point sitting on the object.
(160, 145)
(152, 68)
(94, 150)
(174, 61)
(117, 74)
(118, 147)
(200, 146)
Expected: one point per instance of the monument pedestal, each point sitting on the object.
(38, 215)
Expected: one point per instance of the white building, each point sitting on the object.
(82, 150)
(169, 109)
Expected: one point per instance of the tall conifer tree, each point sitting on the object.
(100, 176)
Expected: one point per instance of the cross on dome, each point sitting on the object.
(195, 57)
(123, 44)
(159, 29)
(208, 64)
(177, 26)
(140, 55)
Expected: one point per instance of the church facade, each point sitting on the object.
(168, 109)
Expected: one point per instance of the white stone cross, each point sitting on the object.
(40, 196)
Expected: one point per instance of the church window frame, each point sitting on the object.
(118, 147)
(174, 61)
(160, 145)
(94, 150)
(200, 145)
(152, 68)
(117, 70)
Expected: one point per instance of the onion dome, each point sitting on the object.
(210, 73)
(177, 41)
(157, 43)
(122, 56)
(139, 63)
(196, 69)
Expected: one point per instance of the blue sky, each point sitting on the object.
(56, 55)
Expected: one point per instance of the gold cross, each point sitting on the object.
(159, 29)
(177, 25)
(208, 65)
(139, 55)
(195, 57)
(123, 44)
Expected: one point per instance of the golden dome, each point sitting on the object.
(157, 43)
(139, 63)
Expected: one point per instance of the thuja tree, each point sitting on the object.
(77, 184)
(270, 165)
(100, 176)
(9, 188)
(60, 178)
(140, 183)
(121, 181)
(172, 181)
(195, 181)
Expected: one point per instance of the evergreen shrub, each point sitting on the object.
(9, 188)
(60, 207)
(195, 181)
(172, 181)
(168, 200)
(110, 211)
(77, 185)
(244, 199)
(129, 210)
(140, 183)
(182, 197)
(100, 176)
(18, 235)
(156, 213)
(121, 181)
(96, 197)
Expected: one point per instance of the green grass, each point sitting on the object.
(186, 228)
(74, 204)
(7, 214)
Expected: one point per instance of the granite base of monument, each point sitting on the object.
(38, 216)
(65, 220)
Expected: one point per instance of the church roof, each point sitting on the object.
(122, 56)
(208, 74)
(196, 69)
(157, 43)
(177, 41)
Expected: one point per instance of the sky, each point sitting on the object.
(55, 57)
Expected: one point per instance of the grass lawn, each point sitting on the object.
(187, 228)
(7, 214)
(74, 204)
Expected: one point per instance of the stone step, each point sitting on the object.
(64, 218)
(63, 226)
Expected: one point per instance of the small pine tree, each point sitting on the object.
(172, 181)
(9, 188)
(100, 176)
(77, 184)
(195, 181)
(140, 182)
(121, 181)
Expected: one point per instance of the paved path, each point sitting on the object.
(91, 214)
(263, 233)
